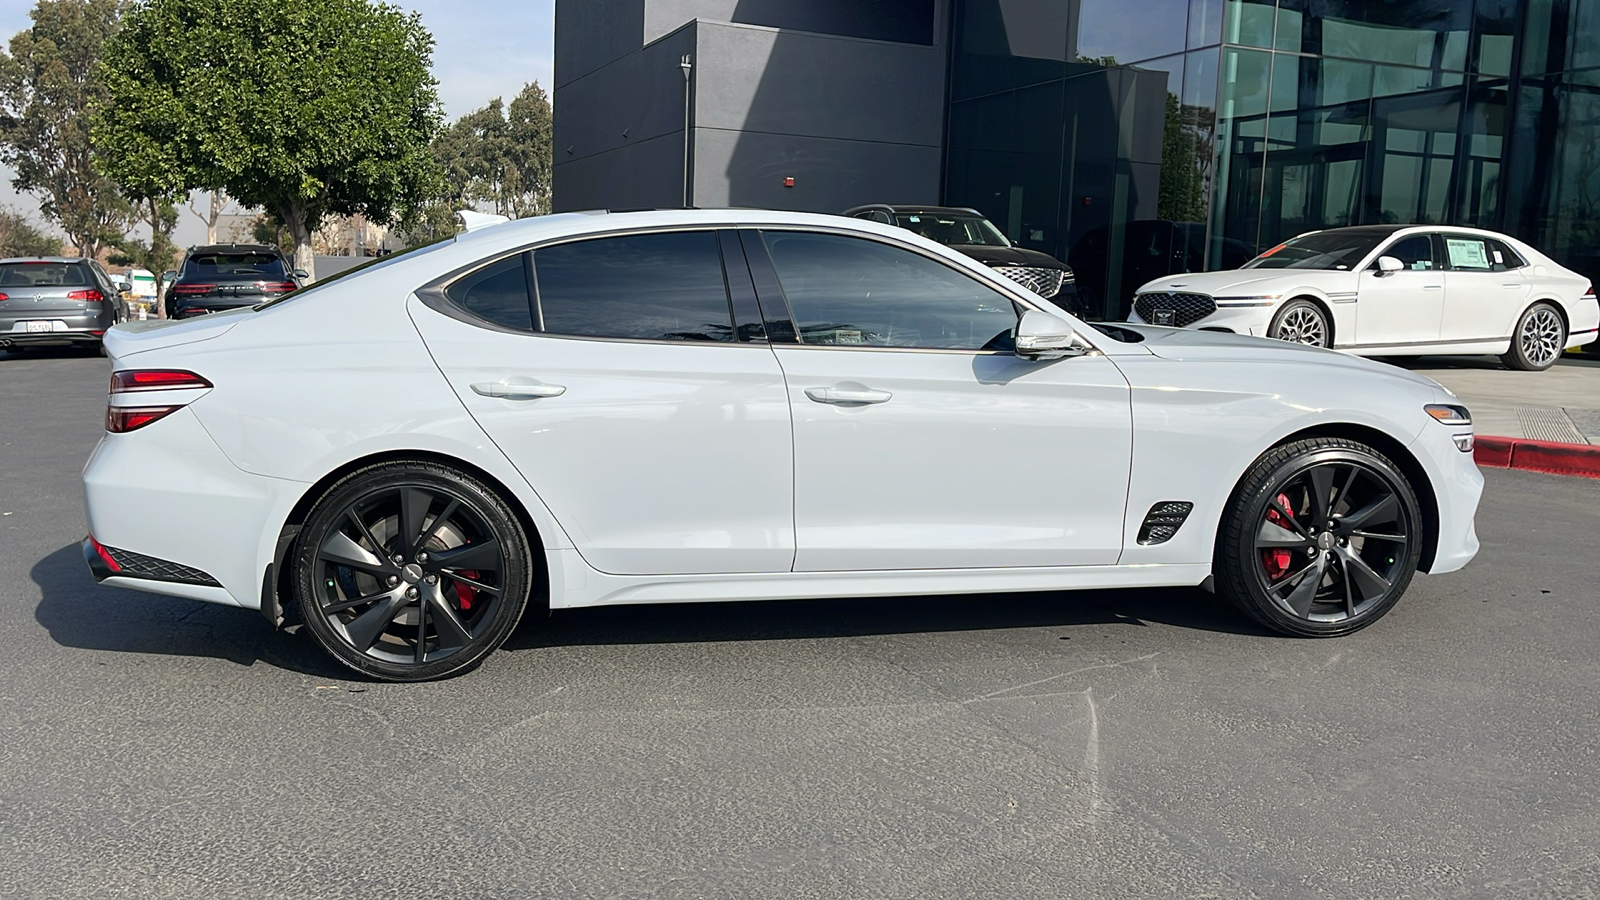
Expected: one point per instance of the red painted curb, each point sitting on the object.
(1582, 460)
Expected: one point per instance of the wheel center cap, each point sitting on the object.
(411, 574)
(1324, 541)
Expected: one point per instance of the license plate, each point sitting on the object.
(1162, 317)
(33, 327)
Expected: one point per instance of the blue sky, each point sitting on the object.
(484, 49)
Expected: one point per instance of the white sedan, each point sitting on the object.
(1391, 290)
(689, 406)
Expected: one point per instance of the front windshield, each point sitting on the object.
(953, 229)
(1342, 250)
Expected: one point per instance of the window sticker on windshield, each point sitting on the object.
(1268, 253)
(1467, 254)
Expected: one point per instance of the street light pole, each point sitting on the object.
(687, 64)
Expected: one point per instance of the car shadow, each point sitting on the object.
(79, 613)
(672, 623)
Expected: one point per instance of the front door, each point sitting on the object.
(1403, 307)
(659, 441)
(920, 440)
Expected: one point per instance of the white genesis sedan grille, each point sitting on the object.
(1044, 282)
(1177, 309)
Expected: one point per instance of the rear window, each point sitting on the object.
(264, 266)
(45, 274)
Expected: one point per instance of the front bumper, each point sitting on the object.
(1457, 487)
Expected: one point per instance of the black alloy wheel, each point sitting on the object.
(1322, 538)
(411, 571)
(1301, 322)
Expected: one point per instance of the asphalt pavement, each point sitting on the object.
(1111, 744)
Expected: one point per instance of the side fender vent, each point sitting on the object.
(1163, 521)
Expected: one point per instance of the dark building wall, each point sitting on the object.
(591, 33)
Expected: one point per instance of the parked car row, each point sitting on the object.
(57, 302)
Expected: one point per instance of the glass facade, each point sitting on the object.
(1140, 140)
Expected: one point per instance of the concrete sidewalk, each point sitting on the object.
(1561, 404)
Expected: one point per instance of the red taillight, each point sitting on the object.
(90, 295)
(104, 554)
(122, 419)
(1587, 295)
(4, 297)
(185, 290)
(277, 287)
(130, 380)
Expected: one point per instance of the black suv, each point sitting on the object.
(220, 277)
(968, 232)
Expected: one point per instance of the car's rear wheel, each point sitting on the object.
(409, 571)
(1320, 539)
(1301, 322)
(1537, 343)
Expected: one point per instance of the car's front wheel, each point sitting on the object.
(1320, 539)
(1537, 343)
(1301, 322)
(409, 571)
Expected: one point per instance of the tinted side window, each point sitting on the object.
(643, 286)
(498, 293)
(1504, 257)
(854, 292)
(1415, 253)
(1468, 254)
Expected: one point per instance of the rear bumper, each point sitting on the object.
(50, 338)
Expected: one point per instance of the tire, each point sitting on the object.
(1327, 509)
(1538, 340)
(448, 582)
(1301, 322)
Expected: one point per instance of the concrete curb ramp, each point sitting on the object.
(1582, 460)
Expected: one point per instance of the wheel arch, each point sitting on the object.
(1560, 307)
(1397, 453)
(276, 585)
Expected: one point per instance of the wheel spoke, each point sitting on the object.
(1305, 591)
(343, 605)
(453, 576)
(340, 549)
(366, 532)
(1322, 494)
(481, 555)
(1349, 482)
(439, 520)
(1369, 582)
(366, 628)
(414, 503)
(1376, 512)
(421, 650)
(452, 631)
(1397, 538)
(1349, 591)
(1277, 507)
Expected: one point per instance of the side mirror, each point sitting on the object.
(1388, 265)
(301, 274)
(1043, 336)
(124, 287)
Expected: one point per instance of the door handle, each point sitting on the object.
(1433, 287)
(505, 390)
(845, 396)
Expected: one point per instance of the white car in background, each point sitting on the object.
(708, 405)
(1391, 290)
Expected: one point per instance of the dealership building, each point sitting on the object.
(1130, 138)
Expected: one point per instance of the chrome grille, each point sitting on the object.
(1044, 282)
(1187, 309)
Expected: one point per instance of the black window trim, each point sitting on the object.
(433, 296)
(1400, 237)
(1488, 243)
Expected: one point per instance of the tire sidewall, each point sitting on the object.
(387, 476)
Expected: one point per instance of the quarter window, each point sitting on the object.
(852, 292)
(498, 293)
(645, 286)
(1504, 257)
(1415, 253)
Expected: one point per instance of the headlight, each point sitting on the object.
(1449, 414)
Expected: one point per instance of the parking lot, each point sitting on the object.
(1115, 744)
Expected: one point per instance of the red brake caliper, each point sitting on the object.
(1277, 559)
(464, 592)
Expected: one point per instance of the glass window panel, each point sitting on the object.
(852, 292)
(1249, 22)
(1584, 29)
(497, 293)
(1494, 27)
(1205, 22)
(1105, 30)
(1241, 123)
(1470, 254)
(1415, 253)
(646, 286)
(1416, 33)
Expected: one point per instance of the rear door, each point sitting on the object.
(1403, 307)
(1486, 288)
(613, 375)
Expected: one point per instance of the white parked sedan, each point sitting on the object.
(1391, 290)
(690, 406)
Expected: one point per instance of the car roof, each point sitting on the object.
(44, 259)
(236, 248)
(914, 209)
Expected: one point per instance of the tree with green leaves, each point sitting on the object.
(20, 237)
(158, 254)
(304, 108)
(499, 156)
(47, 81)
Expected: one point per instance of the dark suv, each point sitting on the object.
(220, 277)
(968, 232)
(56, 301)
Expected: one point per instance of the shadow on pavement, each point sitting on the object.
(801, 619)
(80, 613)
